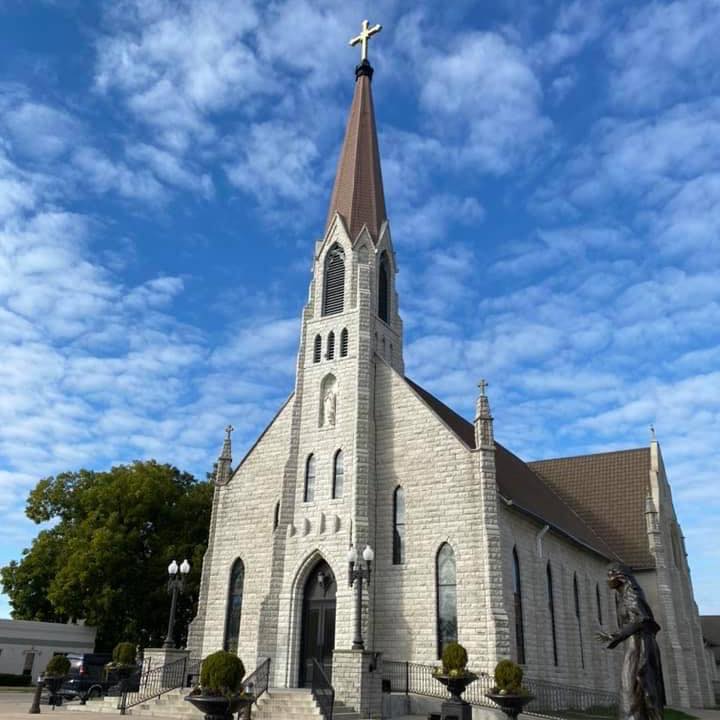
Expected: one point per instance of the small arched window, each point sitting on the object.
(551, 612)
(599, 603)
(317, 349)
(576, 594)
(276, 516)
(383, 289)
(446, 576)
(398, 526)
(331, 346)
(309, 494)
(338, 475)
(334, 287)
(234, 607)
(344, 339)
(517, 597)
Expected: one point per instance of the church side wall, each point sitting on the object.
(601, 667)
(416, 450)
(245, 512)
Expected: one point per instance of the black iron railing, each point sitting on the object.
(146, 685)
(550, 698)
(257, 683)
(322, 690)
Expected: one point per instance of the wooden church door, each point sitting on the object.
(318, 623)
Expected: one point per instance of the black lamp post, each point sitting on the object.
(175, 585)
(356, 574)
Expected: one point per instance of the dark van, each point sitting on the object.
(87, 676)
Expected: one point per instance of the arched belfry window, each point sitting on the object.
(398, 526)
(344, 339)
(317, 349)
(551, 613)
(383, 289)
(338, 475)
(331, 346)
(578, 618)
(309, 494)
(234, 607)
(334, 286)
(446, 578)
(517, 600)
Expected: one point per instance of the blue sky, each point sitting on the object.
(552, 175)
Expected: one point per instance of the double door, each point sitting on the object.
(318, 625)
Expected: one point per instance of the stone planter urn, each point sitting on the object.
(456, 684)
(219, 707)
(511, 704)
(53, 683)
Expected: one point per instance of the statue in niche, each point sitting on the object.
(642, 693)
(329, 408)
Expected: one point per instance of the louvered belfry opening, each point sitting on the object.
(334, 290)
(344, 339)
(317, 349)
(331, 346)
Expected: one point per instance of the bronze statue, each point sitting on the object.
(642, 693)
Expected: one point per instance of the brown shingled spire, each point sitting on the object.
(358, 191)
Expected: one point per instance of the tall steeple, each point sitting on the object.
(358, 191)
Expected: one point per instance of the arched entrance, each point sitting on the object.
(318, 622)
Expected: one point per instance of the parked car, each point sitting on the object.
(87, 678)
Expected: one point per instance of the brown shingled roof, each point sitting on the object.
(358, 191)
(608, 491)
(519, 485)
(710, 625)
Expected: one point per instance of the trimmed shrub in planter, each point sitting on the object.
(59, 666)
(124, 653)
(219, 695)
(508, 692)
(454, 659)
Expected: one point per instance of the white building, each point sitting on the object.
(470, 541)
(26, 646)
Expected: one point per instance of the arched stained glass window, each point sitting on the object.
(383, 289)
(551, 612)
(447, 628)
(276, 516)
(234, 607)
(517, 598)
(599, 603)
(398, 526)
(317, 349)
(334, 288)
(331, 346)
(309, 494)
(578, 618)
(338, 475)
(344, 340)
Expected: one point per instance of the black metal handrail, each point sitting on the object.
(549, 698)
(154, 682)
(257, 683)
(322, 690)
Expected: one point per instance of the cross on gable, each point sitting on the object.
(362, 39)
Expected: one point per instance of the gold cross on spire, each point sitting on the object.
(362, 39)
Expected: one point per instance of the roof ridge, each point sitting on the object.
(589, 455)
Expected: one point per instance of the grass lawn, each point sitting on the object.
(671, 714)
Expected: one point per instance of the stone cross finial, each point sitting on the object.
(362, 39)
(229, 429)
(483, 384)
(652, 433)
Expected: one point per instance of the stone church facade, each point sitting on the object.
(471, 542)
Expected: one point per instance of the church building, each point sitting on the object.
(470, 542)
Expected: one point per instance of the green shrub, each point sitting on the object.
(454, 657)
(508, 677)
(221, 674)
(10, 680)
(59, 666)
(124, 654)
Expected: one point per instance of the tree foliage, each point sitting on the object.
(105, 553)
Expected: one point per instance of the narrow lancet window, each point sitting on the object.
(331, 346)
(338, 475)
(576, 593)
(234, 607)
(344, 340)
(517, 597)
(383, 289)
(276, 516)
(309, 494)
(599, 604)
(317, 349)
(398, 526)
(447, 627)
(551, 612)
(334, 287)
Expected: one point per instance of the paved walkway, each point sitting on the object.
(15, 705)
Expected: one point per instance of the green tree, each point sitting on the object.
(104, 557)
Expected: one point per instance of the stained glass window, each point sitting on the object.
(446, 597)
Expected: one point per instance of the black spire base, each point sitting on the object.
(364, 68)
